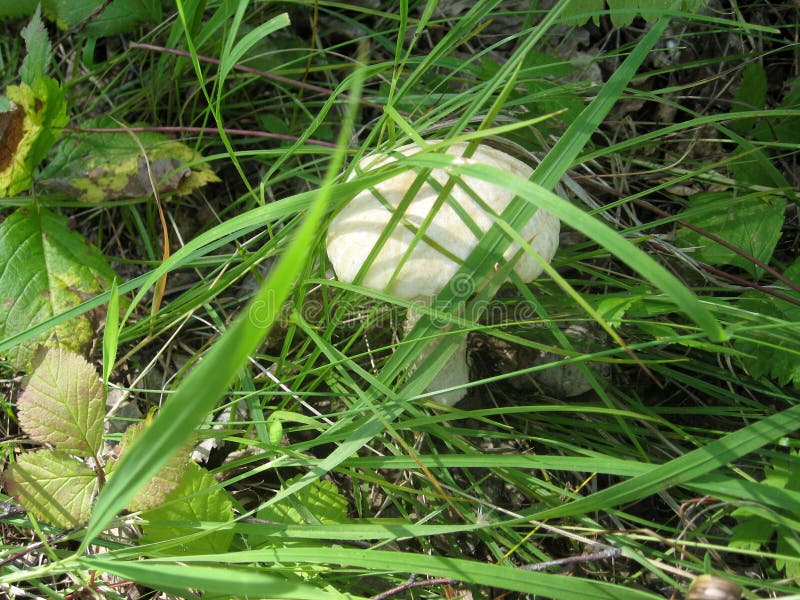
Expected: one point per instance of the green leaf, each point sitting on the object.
(751, 533)
(52, 486)
(317, 503)
(63, 404)
(751, 223)
(123, 16)
(37, 116)
(94, 167)
(20, 8)
(155, 491)
(47, 269)
(197, 498)
(119, 16)
(750, 95)
(771, 342)
(788, 545)
(38, 50)
(70, 13)
(111, 334)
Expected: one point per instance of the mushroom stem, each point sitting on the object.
(455, 371)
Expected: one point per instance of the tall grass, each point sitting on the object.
(624, 492)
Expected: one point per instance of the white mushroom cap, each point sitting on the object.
(355, 230)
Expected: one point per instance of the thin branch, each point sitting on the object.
(413, 583)
(571, 560)
(715, 238)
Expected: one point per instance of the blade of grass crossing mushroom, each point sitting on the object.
(207, 382)
(606, 237)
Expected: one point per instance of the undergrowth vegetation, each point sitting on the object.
(195, 406)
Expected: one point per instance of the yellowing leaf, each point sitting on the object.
(28, 130)
(154, 492)
(95, 167)
(63, 404)
(47, 269)
(52, 486)
(197, 498)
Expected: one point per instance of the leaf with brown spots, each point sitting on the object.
(28, 130)
(97, 166)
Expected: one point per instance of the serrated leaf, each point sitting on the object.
(197, 498)
(46, 270)
(155, 491)
(63, 404)
(319, 502)
(788, 545)
(94, 167)
(751, 223)
(53, 486)
(37, 48)
(774, 350)
(751, 533)
(28, 131)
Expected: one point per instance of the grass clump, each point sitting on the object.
(631, 418)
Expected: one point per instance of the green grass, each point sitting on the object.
(628, 490)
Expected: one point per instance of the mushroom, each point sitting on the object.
(447, 241)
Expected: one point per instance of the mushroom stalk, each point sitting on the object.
(455, 371)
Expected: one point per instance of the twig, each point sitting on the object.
(10, 510)
(413, 583)
(36, 545)
(570, 560)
